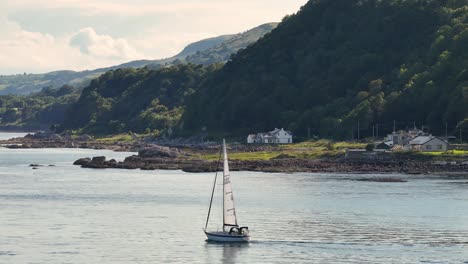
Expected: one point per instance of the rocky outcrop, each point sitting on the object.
(82, 161)
(98, 160)
(48, 140)
(156, 151)
(284, 165)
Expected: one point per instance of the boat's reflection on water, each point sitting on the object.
(229, 251)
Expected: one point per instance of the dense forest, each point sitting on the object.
(337, 69)
(40, 110)
(138, 100)
(340, 63)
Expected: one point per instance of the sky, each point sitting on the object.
(47, 35)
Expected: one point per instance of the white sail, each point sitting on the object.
(228, 208)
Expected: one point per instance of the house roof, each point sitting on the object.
(445, 141)
(388, 142)
(277, 130)
(270, 134)
(421, 140)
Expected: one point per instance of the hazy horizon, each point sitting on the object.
(83, 35)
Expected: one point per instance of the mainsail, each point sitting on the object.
(229, 216)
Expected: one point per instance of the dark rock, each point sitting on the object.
(44, 135)
(132, 159)
(84, 137)
(37, 145)
(283, 156)
(98, 160)
(156, 151)
(15, 146)
(34, 165)
(129, 166)
(82, 161)
(379, 179)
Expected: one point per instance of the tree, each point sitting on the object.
(465, 92)
(370, 147)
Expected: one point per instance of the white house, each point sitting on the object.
(277, 136)
(404, 137)
(251, 138)
(428, 144)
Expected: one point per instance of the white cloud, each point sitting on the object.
(92, 44)
(24, 51)
(40, 36)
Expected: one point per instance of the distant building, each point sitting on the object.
(277, 136)
(386, 145)
(428, 144)
(404, 137)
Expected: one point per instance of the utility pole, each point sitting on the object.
(414, 125)
(308, 132)
(352, 133)
(358, 128)
(373, 131)
(394, 126)
(377, 130)
(446, 135)
(461, 138)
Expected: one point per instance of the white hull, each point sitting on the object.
(226, 237)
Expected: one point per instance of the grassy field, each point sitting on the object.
(323, 149)
(305, 150)
(449, 153)
(116, 138)
(261, 155)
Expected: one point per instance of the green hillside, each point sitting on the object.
(334, 66)
(337, 63)
(223, 51)
(40, 110)
(139, 100)
(201, 45)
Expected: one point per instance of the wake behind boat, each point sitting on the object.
(231, 231)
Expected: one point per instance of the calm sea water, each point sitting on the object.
(4, 136)
(66, 214)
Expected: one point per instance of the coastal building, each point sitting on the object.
(403, 137)
(386, 145)
(428, 144)
(277, 136)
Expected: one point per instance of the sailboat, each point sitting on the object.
(231, 231)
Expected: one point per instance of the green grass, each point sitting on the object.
(116, 138)
(304, 150)
(324, 144)
(350, 145)
(458, 152)
(447, 153)
(244, 156)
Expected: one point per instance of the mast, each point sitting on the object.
(212, 192)
(229, 211)
(224, 181)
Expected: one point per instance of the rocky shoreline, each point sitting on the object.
(48, 140)
(164, 158)
(279, 166)
(186, 157)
